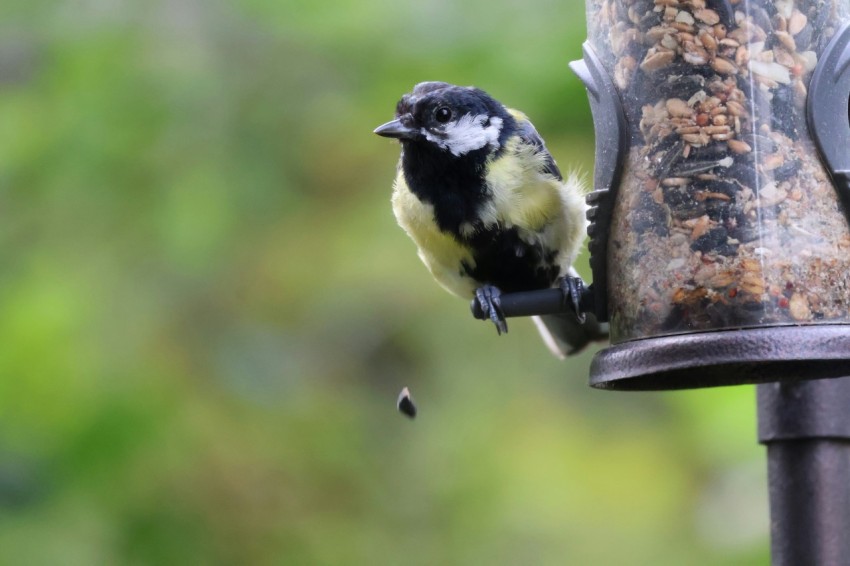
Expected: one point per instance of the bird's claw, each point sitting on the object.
(489, 299)
(573, 289)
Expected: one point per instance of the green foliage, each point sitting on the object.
(208, 310)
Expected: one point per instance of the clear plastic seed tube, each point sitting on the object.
(725, 217)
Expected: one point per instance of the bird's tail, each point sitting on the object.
(565, 335)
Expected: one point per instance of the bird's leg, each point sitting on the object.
(489, 298)
(573, 289)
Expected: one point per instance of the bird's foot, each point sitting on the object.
(573, 290)
(489, 299)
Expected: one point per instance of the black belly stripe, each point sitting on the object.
(503, 259)
(455, 186)
(457, 189)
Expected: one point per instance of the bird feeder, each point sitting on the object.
(719, 234)
(720, 246)
(719, 239)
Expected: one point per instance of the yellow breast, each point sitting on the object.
(442, 253)
(521, 195)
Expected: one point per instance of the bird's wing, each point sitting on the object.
(528, 134)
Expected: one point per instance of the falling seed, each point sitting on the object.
(405, 403)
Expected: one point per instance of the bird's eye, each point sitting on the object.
(443, 114)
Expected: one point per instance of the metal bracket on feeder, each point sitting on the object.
(612, 144)
(826, 105)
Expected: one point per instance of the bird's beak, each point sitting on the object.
(396, 129)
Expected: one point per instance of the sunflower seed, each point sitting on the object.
(405, 404)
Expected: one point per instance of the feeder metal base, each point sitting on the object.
(724, 357)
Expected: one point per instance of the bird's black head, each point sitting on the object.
(451, 119)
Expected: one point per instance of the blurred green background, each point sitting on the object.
(208, 310)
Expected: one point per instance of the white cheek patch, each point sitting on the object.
(467, 134)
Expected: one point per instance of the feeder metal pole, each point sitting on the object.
(806, 428)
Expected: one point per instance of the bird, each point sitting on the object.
(487, 206)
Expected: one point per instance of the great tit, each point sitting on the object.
(488, 208)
